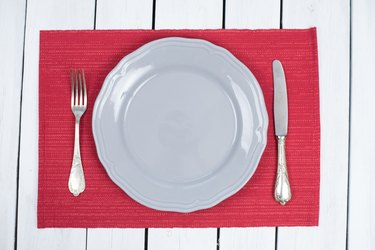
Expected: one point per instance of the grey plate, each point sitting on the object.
(180, 124)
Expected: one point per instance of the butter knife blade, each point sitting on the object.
(280, 105)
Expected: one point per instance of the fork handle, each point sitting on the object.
(283, 193)
(76, 182)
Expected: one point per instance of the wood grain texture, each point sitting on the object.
(67, 14)
(182, 238)
(119, 14)
(12, 20)
(362, 165)
(247, 238)
(115, 239)
(124, 14)
(193, 14)
(242, 14)
(332, 21)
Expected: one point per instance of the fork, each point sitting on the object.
(76, 182)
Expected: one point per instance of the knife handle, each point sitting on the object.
(282, 187)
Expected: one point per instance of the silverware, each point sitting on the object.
(282, 187)
(76, 182)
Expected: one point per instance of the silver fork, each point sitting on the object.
(76, 182)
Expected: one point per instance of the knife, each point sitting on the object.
(282, 187)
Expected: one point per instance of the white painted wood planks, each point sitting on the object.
(332, 21)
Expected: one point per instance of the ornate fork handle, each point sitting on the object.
(282, 187)
(76, 179)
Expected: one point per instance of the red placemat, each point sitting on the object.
(103, 204)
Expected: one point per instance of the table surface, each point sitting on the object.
(346, 29)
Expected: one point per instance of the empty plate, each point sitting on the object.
(180, 124)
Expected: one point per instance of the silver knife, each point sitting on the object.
(282, 187)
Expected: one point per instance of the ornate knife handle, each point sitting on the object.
(282, 187)
(76, 179)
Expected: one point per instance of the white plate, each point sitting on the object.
(180, 124)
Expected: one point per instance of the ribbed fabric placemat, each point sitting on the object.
(103, 204)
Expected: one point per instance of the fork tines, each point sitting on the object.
(79, 93)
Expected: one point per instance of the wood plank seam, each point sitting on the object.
(281, 14)
(153, 28)
(350, 127)
(153, 14)
(218, 236)
(223, 27)
(19, 127)
(95, 10)
(146, 239)
(281, 26)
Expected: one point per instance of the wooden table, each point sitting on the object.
(346, 40)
